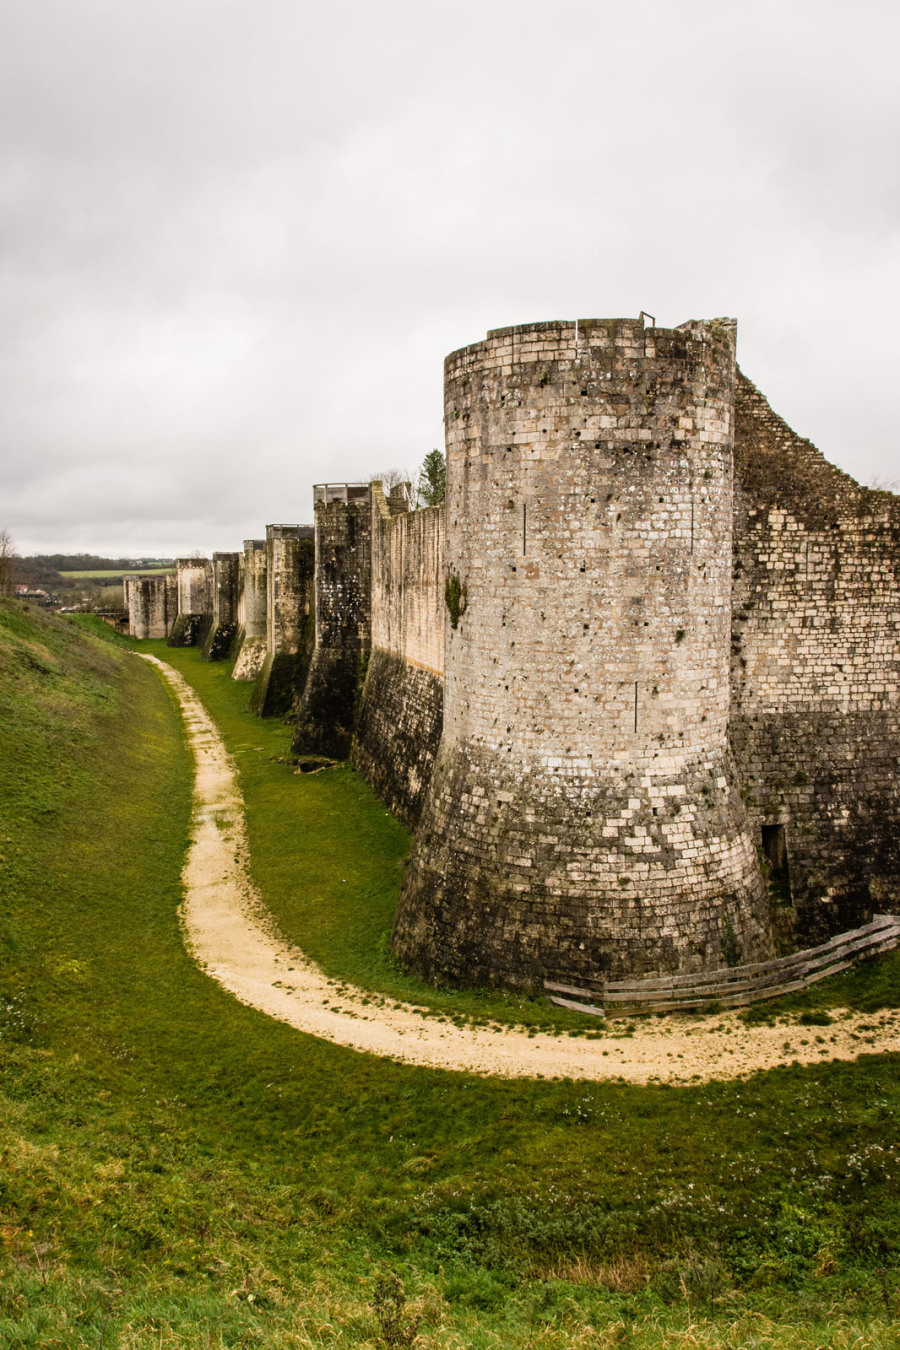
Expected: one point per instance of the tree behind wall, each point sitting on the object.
(8, 556)
(433, 479)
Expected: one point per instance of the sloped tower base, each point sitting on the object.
(515, 878)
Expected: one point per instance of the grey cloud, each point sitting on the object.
(238, 241)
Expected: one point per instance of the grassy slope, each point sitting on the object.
(184, 1172)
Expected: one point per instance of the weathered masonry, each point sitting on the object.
(251, 611)
(152, 604)
(289, 619)
(634, 686)
(815, 709)
(584, 814)
(343, 580)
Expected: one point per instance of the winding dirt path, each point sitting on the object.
(229, 933)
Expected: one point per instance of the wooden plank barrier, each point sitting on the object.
(733, 987)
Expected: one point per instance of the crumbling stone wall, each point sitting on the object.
(223, 629)
(195, 602)
(815, 721)
(290, 608)
(251, 618)
(583, 814)
(401, 708)
(151, 604)
(328, 706)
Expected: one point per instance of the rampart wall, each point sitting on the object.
(815, 717)
(223, 629)
(328, 705)
(151, 603)
(290, 610)
(195, 602)
(251, 640)
(401, 708)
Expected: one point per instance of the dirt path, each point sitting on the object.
(230, 935)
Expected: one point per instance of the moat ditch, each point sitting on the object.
(231, 931)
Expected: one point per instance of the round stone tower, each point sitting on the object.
(583, 817)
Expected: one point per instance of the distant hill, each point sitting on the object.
(58, 572)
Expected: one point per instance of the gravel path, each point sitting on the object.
(229, 933)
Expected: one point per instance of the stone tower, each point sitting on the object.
(583, 818)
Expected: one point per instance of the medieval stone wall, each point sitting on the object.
(151, 603)
(290, 605)
(221, 636)
(583, 813)
(195, 602)
(251, 616)
(400, 716)
(815, 721)
(328, 706)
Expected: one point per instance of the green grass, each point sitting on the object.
(99, 573)
(178, 1170)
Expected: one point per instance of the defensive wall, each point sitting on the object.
(151, 603)
(398, 726)
(327, 706)
(634, 685)
(251, 610)
(194, 618)
(815, 715)
(290, 617)
(224, 597)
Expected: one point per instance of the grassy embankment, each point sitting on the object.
(178, 1170)
(104, 573)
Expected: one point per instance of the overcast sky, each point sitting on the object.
(238, 239)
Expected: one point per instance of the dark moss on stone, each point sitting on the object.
(190, 630)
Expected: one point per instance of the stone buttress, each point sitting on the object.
(328, 705)
(195, 602)
(583, 816)
(151, 602)
(399, 723)
(290, 587)
(251, 618)
(220, 639)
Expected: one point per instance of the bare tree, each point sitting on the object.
(8, 555)
(392, 478)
